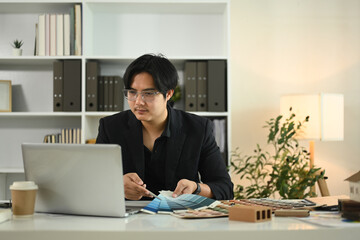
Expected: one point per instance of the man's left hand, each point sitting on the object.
(184, 186)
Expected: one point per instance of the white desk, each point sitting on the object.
(149, 227)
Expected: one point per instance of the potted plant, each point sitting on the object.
(285, 171)
(16, 44)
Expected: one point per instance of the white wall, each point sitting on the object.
(296, 46)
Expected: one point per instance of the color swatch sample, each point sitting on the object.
(152, 207)
(164, 206)
(182, 203)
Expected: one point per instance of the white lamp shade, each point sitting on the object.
(326, 112)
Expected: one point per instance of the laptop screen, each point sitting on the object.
(76, 178)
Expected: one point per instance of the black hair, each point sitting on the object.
(160, 68)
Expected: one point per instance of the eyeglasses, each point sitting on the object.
(146, 96)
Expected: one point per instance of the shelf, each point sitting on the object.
(174, 58)
(126, 60)
(17, 128)
(40, 114)
(158, 7)
(99, 114)
(114, 33)
(156, 27)
(34, 60)
(204, 114)
(211, 114)
(35, 6)
(11, 170)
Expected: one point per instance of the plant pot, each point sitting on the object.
(17, 52)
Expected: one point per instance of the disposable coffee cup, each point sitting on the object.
(23, 196)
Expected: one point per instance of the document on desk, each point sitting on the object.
(328, 219)
(5, 214)
(328, 201)
(131, 203)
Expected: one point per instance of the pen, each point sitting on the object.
(151, 193)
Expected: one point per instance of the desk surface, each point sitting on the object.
(146, 226)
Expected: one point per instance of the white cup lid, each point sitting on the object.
(26, 185)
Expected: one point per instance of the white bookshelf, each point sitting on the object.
(115, 32)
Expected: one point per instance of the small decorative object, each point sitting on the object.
(5, 96)
(17, 51)
(286, 171)
(354, 183)
(250, 213)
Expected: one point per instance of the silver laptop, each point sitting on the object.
(76, 178)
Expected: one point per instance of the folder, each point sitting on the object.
(202, 86)
(58, 86)
(216, 85)
(106, 93)
(91, 86)
(111, 93)
(72, 85)
(190, 86)
(118, 95)
(221, 137)
(101, 94)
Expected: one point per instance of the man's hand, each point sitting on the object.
(134, 187)
(184, 186)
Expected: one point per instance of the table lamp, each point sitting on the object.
(326, 122)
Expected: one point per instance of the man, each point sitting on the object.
(163, 148)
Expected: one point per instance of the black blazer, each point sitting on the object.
(191, 149)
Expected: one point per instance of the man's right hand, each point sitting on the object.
(134, 187)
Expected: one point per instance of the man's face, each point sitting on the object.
(149, 111)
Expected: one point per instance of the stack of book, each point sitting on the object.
(67, 135)
(59, 34)
(349, 209)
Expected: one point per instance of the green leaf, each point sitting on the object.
(284, 170)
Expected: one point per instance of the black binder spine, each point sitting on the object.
(190, 86)
(101, 94)
(72, 85)
(202, 101)
(91, 86)
(111, 94)
(58, 87)
(106, 93)
(118, 95)
(217, 85)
